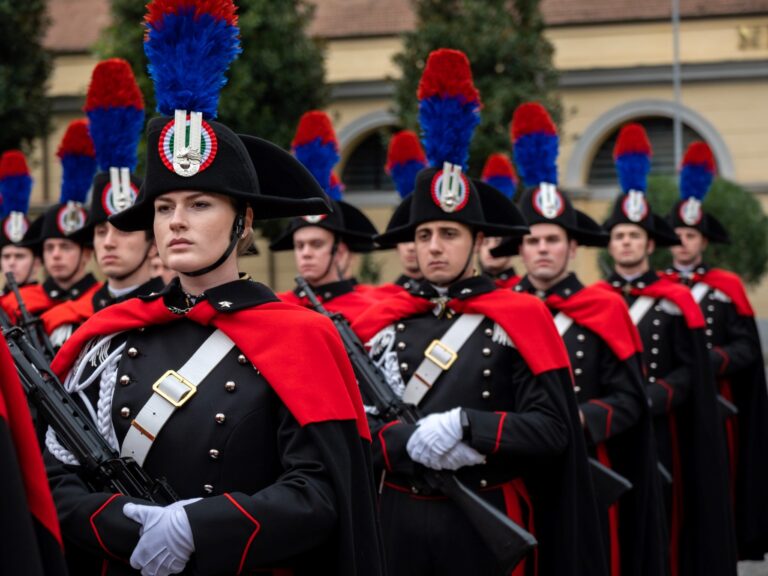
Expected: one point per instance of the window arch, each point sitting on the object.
(364, 169)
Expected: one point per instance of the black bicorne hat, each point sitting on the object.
(635, 209)
(241, 167)
(710, 227)
(59, 221)
(347, 222)
(447, 194)
(399, 218)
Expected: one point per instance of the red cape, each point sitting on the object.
(676, 293)
(727, 282)
(14, 410)
(72, 311)
(319, 387)
(385, 291)
(510, 282)
(350, 305)
(604, 313)
(35, 298)
(524, 318)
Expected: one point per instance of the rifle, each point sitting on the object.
(609, 485)
(508, 542)
(102, 467)
(29, 323)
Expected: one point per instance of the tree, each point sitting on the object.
(24, 71)
(279, 75)
(511, 62)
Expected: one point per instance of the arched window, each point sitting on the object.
(661, 134)
(364, 170)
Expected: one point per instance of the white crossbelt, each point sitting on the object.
(563, 322)
(640, 308)
(440, 356)
(172, 391)
(698, 291)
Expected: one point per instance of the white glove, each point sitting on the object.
(166, 540)
(435, 435)
(459, 456)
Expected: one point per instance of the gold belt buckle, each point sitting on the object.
(191, 388)
(444, 365)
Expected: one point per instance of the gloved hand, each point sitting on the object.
(459, 456)
(435, 435)
(166, 540)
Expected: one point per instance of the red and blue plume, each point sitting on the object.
(632, 155)
(405, 159)
(78, 162)
(449, 108)
(535, 144)
(189, 45)
(336, 187)
(499, 173)
(15, 182)
(697, 172)
(115, 109)
(315, 146)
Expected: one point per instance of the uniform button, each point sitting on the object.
(125, 412)
(132, 352)
(213, 453)
(641, 284)
(404, 366)
(220, 418)
(414, 490)
(654, 365)
(327, 296)
(656, 322)
(657, 308)
(486, 394)
(207, 488)
(708, 332)
(487, 372)
(654, 336)
(579, 354)
(654, 350)
(711, 296)
(486, 351)
(578, 371)
(75, 292)
(241, 359)
(577, 389)
(54, 294)
(616, 284)
(125, 380)
(710, 308)
(581, 337)
(400, 327)
(709, 345)
(652, 379)
(489, 332)
(230, 386)
(401, 345)
(710, 320)
(567, 291)
(483, 483)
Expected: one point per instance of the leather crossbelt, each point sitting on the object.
(440, 356)
(640, 308)
(171, 391)
(563, 322)
(698, 291)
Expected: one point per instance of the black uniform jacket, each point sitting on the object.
(271, 439)
(518, 395)
(691, 442)
(734, 349)
(607, 366)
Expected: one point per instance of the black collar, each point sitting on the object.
(642, 281)
(406, 282)
(503, 275)
(566, 288)
(230, 297)
(56, 292)
(102, 297)
(332, 289)
(463, 289)
(700, 269)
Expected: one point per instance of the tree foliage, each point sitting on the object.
(24, 70)
(511, 62)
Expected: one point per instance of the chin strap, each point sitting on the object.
(143, 260)
(238, 227)
(466, 264)
(334, 249)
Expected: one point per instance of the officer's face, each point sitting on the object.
(546, 251)
(64, 259)
(315, 259)
(119, 253)
(693, 245)
(444, 251)
(407, 253)
(489, 263)
(192, 229)
(21, 262)
(629, 245)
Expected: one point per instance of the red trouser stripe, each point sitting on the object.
(515, 494)
(613, 518)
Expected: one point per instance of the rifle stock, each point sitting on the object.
(507, 541)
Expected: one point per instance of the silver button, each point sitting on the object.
(654, 336)
(220, 418)
(486, 394)
(213, 453)
(654, 365)
(578, 371)
(414, 490)
(483, 483)
(641, 284)
(711, 296)
(404, 366)
(487, 372)
(577, 389)
(465, 291)
(486, 351)
(132, 352)
(579, 354)
(657, 308)
(654, 350)
(125, 380)
(708, 332)
(710, 308)
(54, 294)
(327, 296)
(709, 345)
(616, 284)
(75, 292)
(652, 379)
(581, 337)
(656, 322)
(567, 291)
(400, 327)
(241, 359)
(207, 488)
(401, 345)
(710, 320)
(125, 412)
(489, 332)
(230, 386)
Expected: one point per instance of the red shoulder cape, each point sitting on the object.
(319, 387)
(35, 298)
(14, 410)
(727, 282)
(524, 318)
(604, 313)
(675, 293)
(510, 282)
(385, 291)
(350, 305)
(72, 311)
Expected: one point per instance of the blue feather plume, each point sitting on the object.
(404, 176)
(695, 181)
(16, 191)
(116, 132)
(633, 171)
(447, 126)
(536, 158)
(319, 159)
(78, 172)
